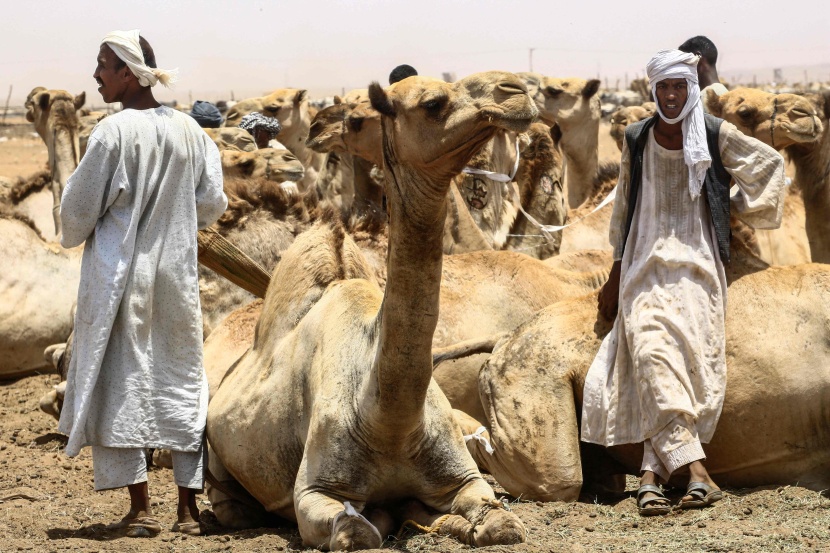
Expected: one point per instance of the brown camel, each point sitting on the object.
(290, 107)
(574, 106)
(307, 455)
(37, 291)
(797, 125)
(625, 116)
(774, 424)
(54, 113)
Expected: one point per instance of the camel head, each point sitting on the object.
(290, 107)
(241, 109)
(362, 133)
(53, 109)
(326, 131)
(273, 164)
(232, 138)
(435, 127)
(355, 96)
(569, 101)
(778, 120)
(624, 116)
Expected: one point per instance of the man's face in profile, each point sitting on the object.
(112, 82)
(671, 96)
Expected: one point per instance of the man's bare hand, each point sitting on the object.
(609, 295)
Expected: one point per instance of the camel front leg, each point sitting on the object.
(491, 523)
(329, 524)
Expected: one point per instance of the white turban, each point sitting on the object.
(126, 46)
(674, 64)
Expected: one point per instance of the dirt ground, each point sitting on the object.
(22, 152)
(47, 504)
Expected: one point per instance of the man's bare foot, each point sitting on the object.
(187, 513)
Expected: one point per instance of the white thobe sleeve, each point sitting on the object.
(618, 216)
(211, 201)
(89, 192)
(758, 171)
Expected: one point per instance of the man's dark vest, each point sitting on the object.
(716, 184)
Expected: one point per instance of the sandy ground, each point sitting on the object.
(22, 152)
(47, 502)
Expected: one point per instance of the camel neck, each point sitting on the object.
(579, 144)
(409, 313)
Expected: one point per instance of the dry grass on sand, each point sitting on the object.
(47, 504)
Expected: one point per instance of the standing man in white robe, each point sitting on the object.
(660, 375)
(150, 179)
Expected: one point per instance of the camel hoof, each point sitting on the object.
(499, 528)
(163, 458)
(351, 532)
(237, 516)
(53, 353)
(49, 404)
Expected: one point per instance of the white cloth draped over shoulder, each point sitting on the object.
(149, 180)
(674, 64)
(665, 355)
(127, 47)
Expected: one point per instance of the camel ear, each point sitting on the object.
(380, 101)
(80, 100)
(556, 135)
(591, 88)
(713, 104)
(337, 100)
(301, 95)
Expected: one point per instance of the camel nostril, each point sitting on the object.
(512, 87)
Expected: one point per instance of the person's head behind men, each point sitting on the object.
(707, 66)
(401, 72)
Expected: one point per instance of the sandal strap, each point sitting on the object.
(699, 489)
(649, 488)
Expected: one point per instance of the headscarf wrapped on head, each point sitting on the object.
(256, 120)
(127, 47)
(674, 64)
(206, 114)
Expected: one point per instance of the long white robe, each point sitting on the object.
(666, 352)
(149, 179)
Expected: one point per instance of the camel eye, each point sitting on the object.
(553, 92)
(356, 123)
(431, 105)
(746, 112)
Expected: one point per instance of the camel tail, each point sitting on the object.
(466, 348)
(220, 255)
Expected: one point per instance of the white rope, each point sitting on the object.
(478, 436)
(546, 229)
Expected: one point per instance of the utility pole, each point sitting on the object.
(530, 58)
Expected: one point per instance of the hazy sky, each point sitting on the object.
(253, 46)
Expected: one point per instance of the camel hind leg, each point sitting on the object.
(239, 510)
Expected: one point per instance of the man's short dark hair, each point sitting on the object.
(146, 51)
(401, 72)
(703, 46)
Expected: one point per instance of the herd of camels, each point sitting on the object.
(420, 326)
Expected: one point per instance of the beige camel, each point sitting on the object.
(87, 122)
(573, 105)
(301, 383)
(54, 113)
(773, 428)
(232, 138)
(792, 123)
(270, 164)
(590, 230)
(290, 107)
(37, 291)
(625, 116)
(540, 188)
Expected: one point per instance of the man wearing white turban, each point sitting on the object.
(660, 375)
(149, 180)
